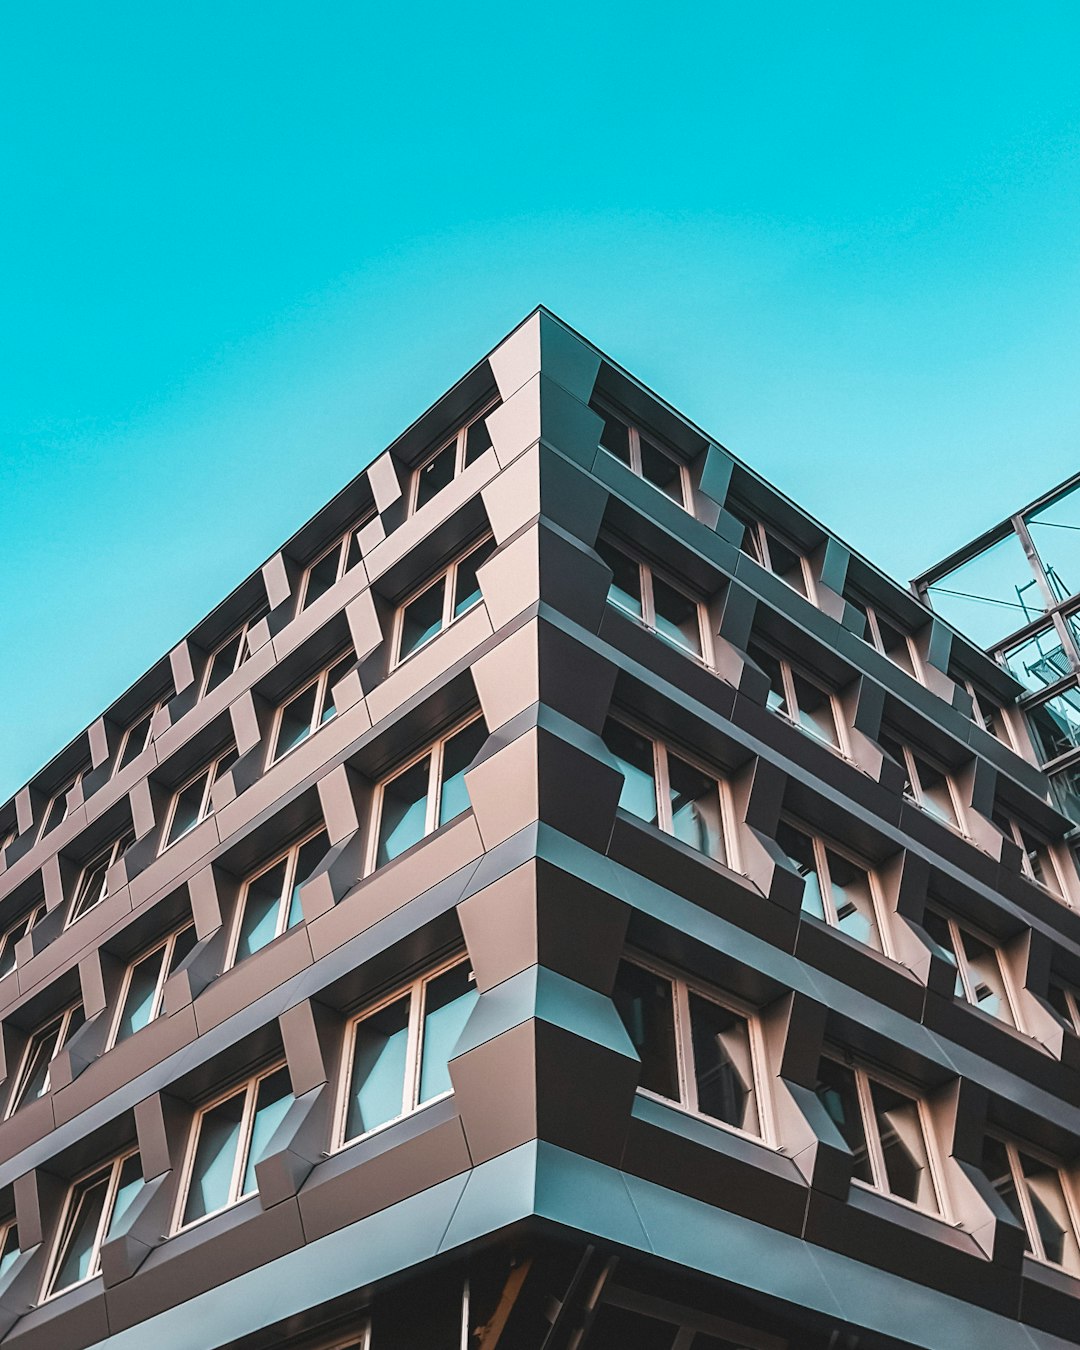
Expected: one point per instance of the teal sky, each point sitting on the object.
(243, 245)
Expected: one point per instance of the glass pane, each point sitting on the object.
(80, 1231)
(403, 821)
(224, 662)
(210, 1187)
(615, 437)
(137, 737)
(838, 1094)
(1055, 725)
(337, 673)
(435, 475)
(785, 562)
(1055, 532)
(851, 895)
(477, 440)
(1051, 1212)
(296, 719)
(991, 595)
(799, 848)
(995, 1166)
(625, 588)
(272, 1101)
(377, 1084)
(187, 811)
(644, 1001)
(322, 575)
(938, 929)
(311, 855)
(676, 616)
(634, 755)
(777, 698)
(987, 982)
(895, 645)
(185, 941)
(14, 935)
(261, 907)
(467, 589)
(460, 751)
(448, 1000)
(1066, 785)
(92, 890)
(421, 619)
(935, 796)
(57, 810)
(695, 808)
(723, 1068)
(661, 471)
(43, 1045)
(128, 1187)
(142, 991)
(907, 1164)
(815, 710)
(1039, 661)
(10, 1249)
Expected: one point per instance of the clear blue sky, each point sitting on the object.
(243, 245)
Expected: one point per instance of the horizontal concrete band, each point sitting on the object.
(542, 1181)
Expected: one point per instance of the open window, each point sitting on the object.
(798, 696)
(42, 1047)
(644, 454)
(93, 884)
(270, 898)
(1040, 1194)
(982, 974)
(192, 802)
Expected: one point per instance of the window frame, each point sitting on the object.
(822, 844)
(211, 771)
(322, 680)
(52, 1270)
(147, 715)
(459, 439)
(291, 857)
(415, 989)
(250, 1087)
(915, 792)
(114, 853)
(449, 575)
(646, 573)
(682, 987)
(30, 916)
(1013, 1149)
(788, 670)
(243, 650)
(962, 966)
(634, 434)
(343, 543)
(877, 640)
(22, 1078)
(167, 944)
(61, 792)
(1071, 995)
(1057, 890)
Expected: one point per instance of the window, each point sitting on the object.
(308, 709)
(664, 789)
(1036, 860)
(7, 838)
(440, 602)
(982, 978)
(642, 454)
(57, 810)
(441, 468)
(645, 596)
(986, 712)
(694, 1050)
(136, 738)
(142, 993)
(397, 1052)
(95, 1206)
(228, 1138)
(1038, 1193)
(32, 1080)
(1065, 1001)
(769, 548)
(796, 696)
(18, 930)
(837, 888)
(1055, 725)
(426, 794)
(331, 565)
(93, 884)
(232, 653)
(192, 803)
(928, 785)
(888, 637)
(885, 1129)
(270, 900)
(9, 1247)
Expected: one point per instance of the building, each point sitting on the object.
(563, 900)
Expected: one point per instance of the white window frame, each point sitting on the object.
(6, 1230)
(787, 674)
(449, 575)
(250, 1087)
(960, 957)
(147, 715)
(53, 1269)
(433, 802)
(821, 845)
(682, 987)
(343, 544)
(291, 857)
(321, 694)
(877, 641)
(647, 618)
(759, 532)
(662, 787)
(1048, 861)
(415, 990)
(635, 434)
(26, 922)
(1072, 1002)
(18, 1086)
(113, 853)
(915, 793)
(243, 649)
(62, 792)
(206, 808)
(167, 945)
(458, 440)
(7, 839)
(1020, 1186)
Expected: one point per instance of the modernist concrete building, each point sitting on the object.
(564, 898)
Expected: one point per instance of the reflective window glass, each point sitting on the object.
(273, 1097)
(695, 808)
(799, 848)
(477, 440)
(377, 1077)
(1055, 724)
(838, 1093)
(625, 588)
(467, 586)
(322, 575)
(458, 754)
(421, 619)
(903, 1146)
(448, 1000)
(1039, 661)
(1055, 532)
(852, 898)
(661, 470)
(296, 719)
(404, 811)
(723, 1069)
(261, 905)
(615, 437)
(210, 1186)
(991, 595)
(815, 709)
(676, 616)
(634, 754)
(435, 474)
(644, 1002)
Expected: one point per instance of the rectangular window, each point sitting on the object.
(15, 933)
(192, 803)
(452, 594)
(982, 977)
(1065, 1001)
(888, 637)
(1036, 860)
(9, 1247)
(424, 795)
(57, 810)
(332, 564)
(798, 697)
(664, 789)
(886, 1130)
(836, 887)
(1039, 1194)
(655, 602)
(93, 1210)
(32, 1080)
(136, 738)
(985, 711)
(270, 899)
(229, 1137)
(641, 452)
(771, 550)
(928, 785)
(695, 1050)
(142, 993)
(397, 1052)
(441, 468)
(93, 884)
(311, 707)
(232, 653)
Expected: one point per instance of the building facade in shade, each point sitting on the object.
(564, 899)
(1016, 591)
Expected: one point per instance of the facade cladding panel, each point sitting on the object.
(565, 898)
